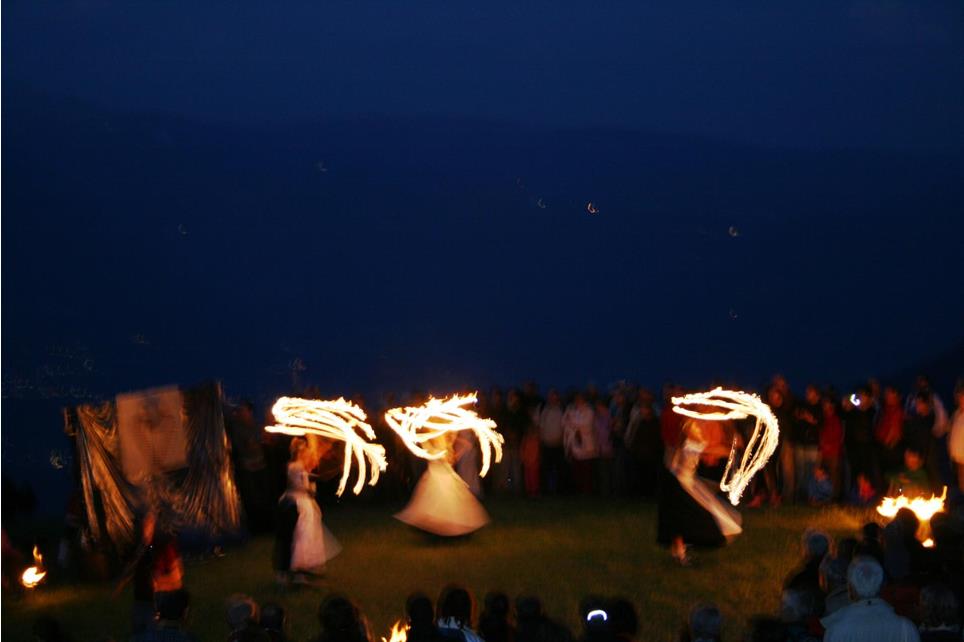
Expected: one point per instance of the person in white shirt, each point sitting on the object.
(867, 618)
(579, 440)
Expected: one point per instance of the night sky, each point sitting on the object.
(395, 195)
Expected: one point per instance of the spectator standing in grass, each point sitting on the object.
(783, 412)
(806, 454)
(831, 442)
(920, 432)
(923, 387)
(515, 425)
(644, 446)
(859, 432)
(889, 431)
(602, 424)
(620, 410)
(530, 451)
(552, 455)
(579, 438)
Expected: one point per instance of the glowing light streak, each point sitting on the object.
(855, 400)
(591, 208)
(35, 574)
(399, 633)
(923, 508)
(337, 420)
(419, 425)
(726, 405)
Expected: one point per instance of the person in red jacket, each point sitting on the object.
(889, 431)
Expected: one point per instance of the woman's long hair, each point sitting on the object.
(456, 603)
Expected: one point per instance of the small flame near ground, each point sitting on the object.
(35, 574)
(399, 633)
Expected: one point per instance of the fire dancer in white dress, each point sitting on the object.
(312, 545)
(443, 503)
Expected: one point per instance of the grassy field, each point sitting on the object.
(560, 549)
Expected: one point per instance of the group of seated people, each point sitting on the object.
(882, 586)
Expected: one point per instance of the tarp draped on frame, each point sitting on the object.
(204, 497)
(104, 486)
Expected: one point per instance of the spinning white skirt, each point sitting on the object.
(313, 544)
(443, 504)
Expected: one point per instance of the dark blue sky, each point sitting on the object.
(874, 73)
(395, 194)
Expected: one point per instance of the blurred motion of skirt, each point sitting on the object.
(443, 504)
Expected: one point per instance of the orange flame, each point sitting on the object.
(35, 574)
(399, 633)
(923, 508)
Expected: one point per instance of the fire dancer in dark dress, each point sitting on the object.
(689, 510)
